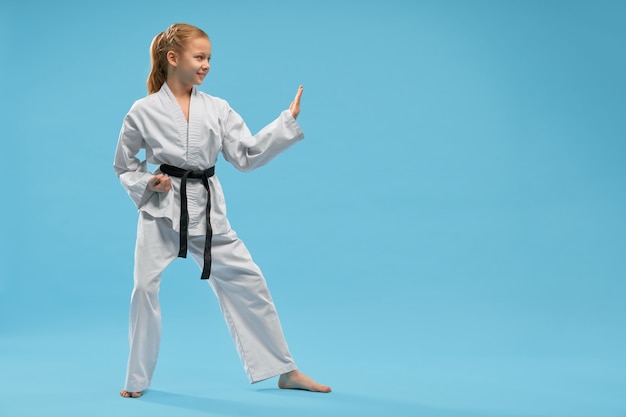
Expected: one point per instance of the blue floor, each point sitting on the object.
(78, 372)
(415, 364)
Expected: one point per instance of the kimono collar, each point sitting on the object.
(166, 89)
(176, 112)
(189, 133)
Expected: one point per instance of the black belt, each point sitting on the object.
(184, 174)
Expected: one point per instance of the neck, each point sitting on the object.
(178, 89)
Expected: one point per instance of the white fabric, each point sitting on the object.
(156, 123)
(240, 288)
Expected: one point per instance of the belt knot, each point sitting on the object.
(184, 175)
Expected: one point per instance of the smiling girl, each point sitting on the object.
(182, 209)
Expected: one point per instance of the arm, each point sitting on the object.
(246, 151)
(133, 173)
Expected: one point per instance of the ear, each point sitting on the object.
(172, 58)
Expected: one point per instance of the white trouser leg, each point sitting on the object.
(247, 306)
(156, 247)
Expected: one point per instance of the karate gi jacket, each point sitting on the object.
(157, 124)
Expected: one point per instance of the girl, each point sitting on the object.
(181, 208)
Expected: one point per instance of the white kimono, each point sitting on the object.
(156, 123)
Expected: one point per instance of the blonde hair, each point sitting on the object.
(175, 39)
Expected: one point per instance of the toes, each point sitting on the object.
(127, 394)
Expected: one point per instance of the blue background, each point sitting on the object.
(449, 240)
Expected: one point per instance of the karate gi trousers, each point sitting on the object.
(241, 291)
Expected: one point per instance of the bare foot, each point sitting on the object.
(297, 380)
(128, 394)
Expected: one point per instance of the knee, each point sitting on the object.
(146, 287)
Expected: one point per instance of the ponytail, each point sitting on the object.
(173, 39)
(158, 59)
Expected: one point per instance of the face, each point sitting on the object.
(192, 65)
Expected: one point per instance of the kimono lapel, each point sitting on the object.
(194, 133)
(189, 133)
(174, 110)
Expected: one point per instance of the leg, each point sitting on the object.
(247, 306)
(155, 249)
(250, 313)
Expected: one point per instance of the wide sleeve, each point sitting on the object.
(246, 151)
(132, 172)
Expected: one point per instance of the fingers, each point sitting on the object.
(295, 104)
(160, 183)
(299, 95)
